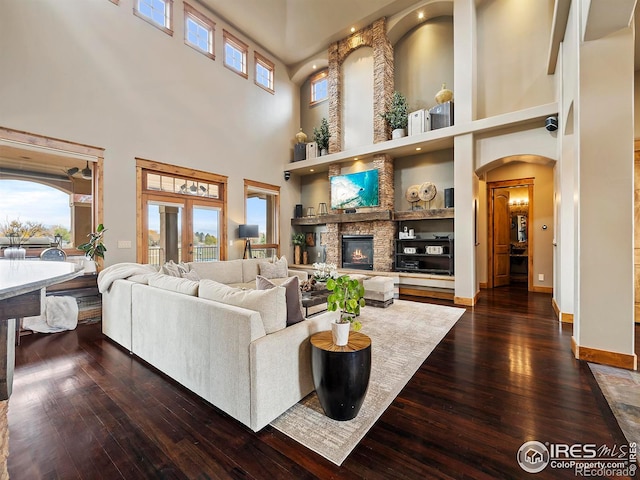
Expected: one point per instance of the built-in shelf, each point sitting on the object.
(430, 141)
(426, 214)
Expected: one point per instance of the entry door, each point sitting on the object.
(501, 238)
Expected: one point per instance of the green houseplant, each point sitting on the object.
(93, 248)
(321, 136)
(348, 298)
(298, 240)
(397, 116)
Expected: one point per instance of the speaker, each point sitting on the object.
(299, 210)
(448, 198)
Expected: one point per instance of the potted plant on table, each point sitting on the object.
(348, 298)
(298, 240)
(321, 136)
(397, 116)
(93, 248)
(19, 233)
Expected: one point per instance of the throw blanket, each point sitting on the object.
(60, 314)
(122, 270)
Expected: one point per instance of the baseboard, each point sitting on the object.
(594, 355)
(484, 285)
(567, 318)
(467, 302)
(539, 289)
(556, 309)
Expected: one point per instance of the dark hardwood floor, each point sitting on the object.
(84, 408)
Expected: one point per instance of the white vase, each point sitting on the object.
(324, 152)
(340, 333)
(398, 133)
(89, 265)
(15, 253)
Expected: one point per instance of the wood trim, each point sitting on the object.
(276, 193)
(566, 318)
(556, 309)
(240, 45)
(483, 285)
(265, 186)
(44, 141)
(269, 65)
(140, 219)
(541, 289)
(468, 302)
(427, 293)
(605, 357)
(180, 171)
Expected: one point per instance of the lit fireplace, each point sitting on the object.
(357, 252)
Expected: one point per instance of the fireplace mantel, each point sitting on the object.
(375, 216)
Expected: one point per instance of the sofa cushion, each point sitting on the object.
(292, 293)
(271, 304)
(277, 269)
(250, 269)
(174, 284)
(229, 271)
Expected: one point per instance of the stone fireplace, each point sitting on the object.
(357, 252)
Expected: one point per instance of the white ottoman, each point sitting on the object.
(378, 291)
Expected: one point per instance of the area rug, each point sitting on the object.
(402, 337)
(621, 388)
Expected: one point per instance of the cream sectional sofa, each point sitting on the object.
(219, 351)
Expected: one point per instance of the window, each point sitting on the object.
(181, 214)
(156, 12)
(235, 54)
(198, 31)
(262, 208)
(264, 73)
(319, 87)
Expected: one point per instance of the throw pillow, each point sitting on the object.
(277, 269)
(191, 275)
(174, 284)
(171, 268)
(292, 293)
(271, 304)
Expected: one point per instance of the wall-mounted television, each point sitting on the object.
(355, 190)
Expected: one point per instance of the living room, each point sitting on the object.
(94, 74)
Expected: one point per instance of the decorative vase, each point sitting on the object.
(340, 333)
(444, 95)
(305, 257)
(398, 133)
(89, 265)
(323, 152)
(301, 137)
(296, 254)
(15, 253)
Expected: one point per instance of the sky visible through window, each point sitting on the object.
(197, 35)
(153, 9)
(35, 202)
(233, 57)
(264, 75)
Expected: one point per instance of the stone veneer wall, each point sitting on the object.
(374, 36)
(383, 231)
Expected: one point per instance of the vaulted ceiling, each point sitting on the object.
(294, 30)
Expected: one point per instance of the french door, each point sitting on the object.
(180, 229)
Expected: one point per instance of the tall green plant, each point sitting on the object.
(397, 115)
(348, 297)
(321, 135)
(94, 247)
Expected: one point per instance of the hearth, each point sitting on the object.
(357, 252)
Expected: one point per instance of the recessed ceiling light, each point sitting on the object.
(421, 15)
(315, 66)
(311, 170)
(353, 29)
(418, 149)
(355, 158)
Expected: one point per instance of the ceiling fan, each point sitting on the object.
(85, 172)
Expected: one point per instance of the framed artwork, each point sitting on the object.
(310, 239)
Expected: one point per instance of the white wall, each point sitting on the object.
(512, 46)
(423, 61)
(435, 167)
(357, 99)
(93, 73)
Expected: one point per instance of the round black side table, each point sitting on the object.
(341, 373)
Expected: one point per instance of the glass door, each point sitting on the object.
(163, 231)
(205, 240)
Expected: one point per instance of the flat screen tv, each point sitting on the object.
(355, 190)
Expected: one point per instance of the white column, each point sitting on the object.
(464, 65)
(466, 187)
